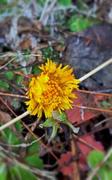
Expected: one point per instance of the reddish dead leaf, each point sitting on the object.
(67, 170)
(90, 140)
(66, 166)
(79, 115)
(65, 158)
(85, 150)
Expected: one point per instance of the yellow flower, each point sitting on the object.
(52, 90)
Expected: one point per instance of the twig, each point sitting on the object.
(9, 54)
(13, 95)
(7, 152)
(42, 173)
(101, 123)
(23, 145)
(32, 129)
(8, 107)
(92, 108)
(81, 79)
(93, 92)
(96, 169)
(76, 175)
(14, 120)
(96, 70)
(84, 142)
(45, 146)
(6, 64)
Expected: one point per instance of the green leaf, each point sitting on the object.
(50, 53)
(26, 174)
(36, 70)
(3, 2)
(3, 171)
(19, 79)
(35, 161)
(17, 172)
(14, 172)
(104, 173)
(48, 123)
(19, 126)
(4, 85)
(9, 75)
(65, 2)
(109, 161)
(34, 148)
(106, 104)
(94, 158)
(10, 137)
(15, 103)
(82, 5)
(80, 23)
(41, 2)
(62, 117)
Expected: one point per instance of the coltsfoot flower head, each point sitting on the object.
(52, 90)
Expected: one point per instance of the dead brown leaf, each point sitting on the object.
(4, 117)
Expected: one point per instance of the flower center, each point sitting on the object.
(52, 94)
